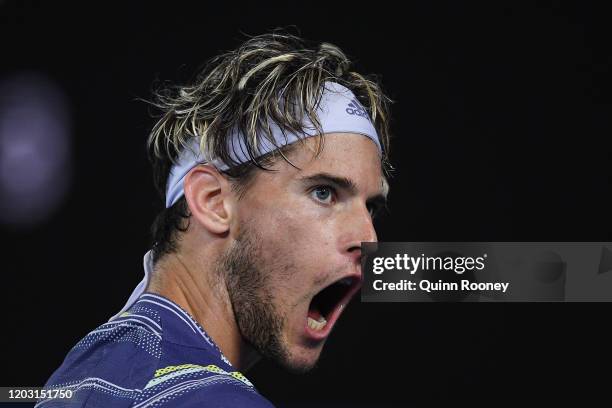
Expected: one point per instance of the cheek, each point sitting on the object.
(287, 257)
(302, 232)
(297, 240)
(305, 243)
(285, 224)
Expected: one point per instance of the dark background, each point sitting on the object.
(501, 133)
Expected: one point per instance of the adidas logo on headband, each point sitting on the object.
(355, 108)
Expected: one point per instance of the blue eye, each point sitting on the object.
(323, 194)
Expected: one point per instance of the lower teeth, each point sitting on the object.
(316, 325)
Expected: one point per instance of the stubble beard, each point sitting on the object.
(251, 296)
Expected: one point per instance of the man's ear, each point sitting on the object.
(208, 196)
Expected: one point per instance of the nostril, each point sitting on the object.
(355, 253)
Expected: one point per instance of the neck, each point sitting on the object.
(204, 296)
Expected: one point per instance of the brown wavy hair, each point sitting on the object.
(248, 89)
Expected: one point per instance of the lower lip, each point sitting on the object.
(319, 335)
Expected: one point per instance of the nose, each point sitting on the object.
(358, 228)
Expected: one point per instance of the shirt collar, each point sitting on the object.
(179, 326)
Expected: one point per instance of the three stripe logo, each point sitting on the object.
(355, 108)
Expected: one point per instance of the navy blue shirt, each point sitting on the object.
(153, 355)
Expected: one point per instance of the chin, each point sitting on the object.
(298, 367)
(301, 361)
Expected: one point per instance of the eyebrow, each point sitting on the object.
(348, 185)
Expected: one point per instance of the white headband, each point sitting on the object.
(339, 112)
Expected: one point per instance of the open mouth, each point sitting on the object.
(327, 305)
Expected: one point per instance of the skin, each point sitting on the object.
(289, 234)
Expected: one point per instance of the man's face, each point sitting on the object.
(295, 259)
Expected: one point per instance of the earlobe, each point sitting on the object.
(208, 198)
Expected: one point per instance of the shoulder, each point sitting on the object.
(118, 355)
(129, 336)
